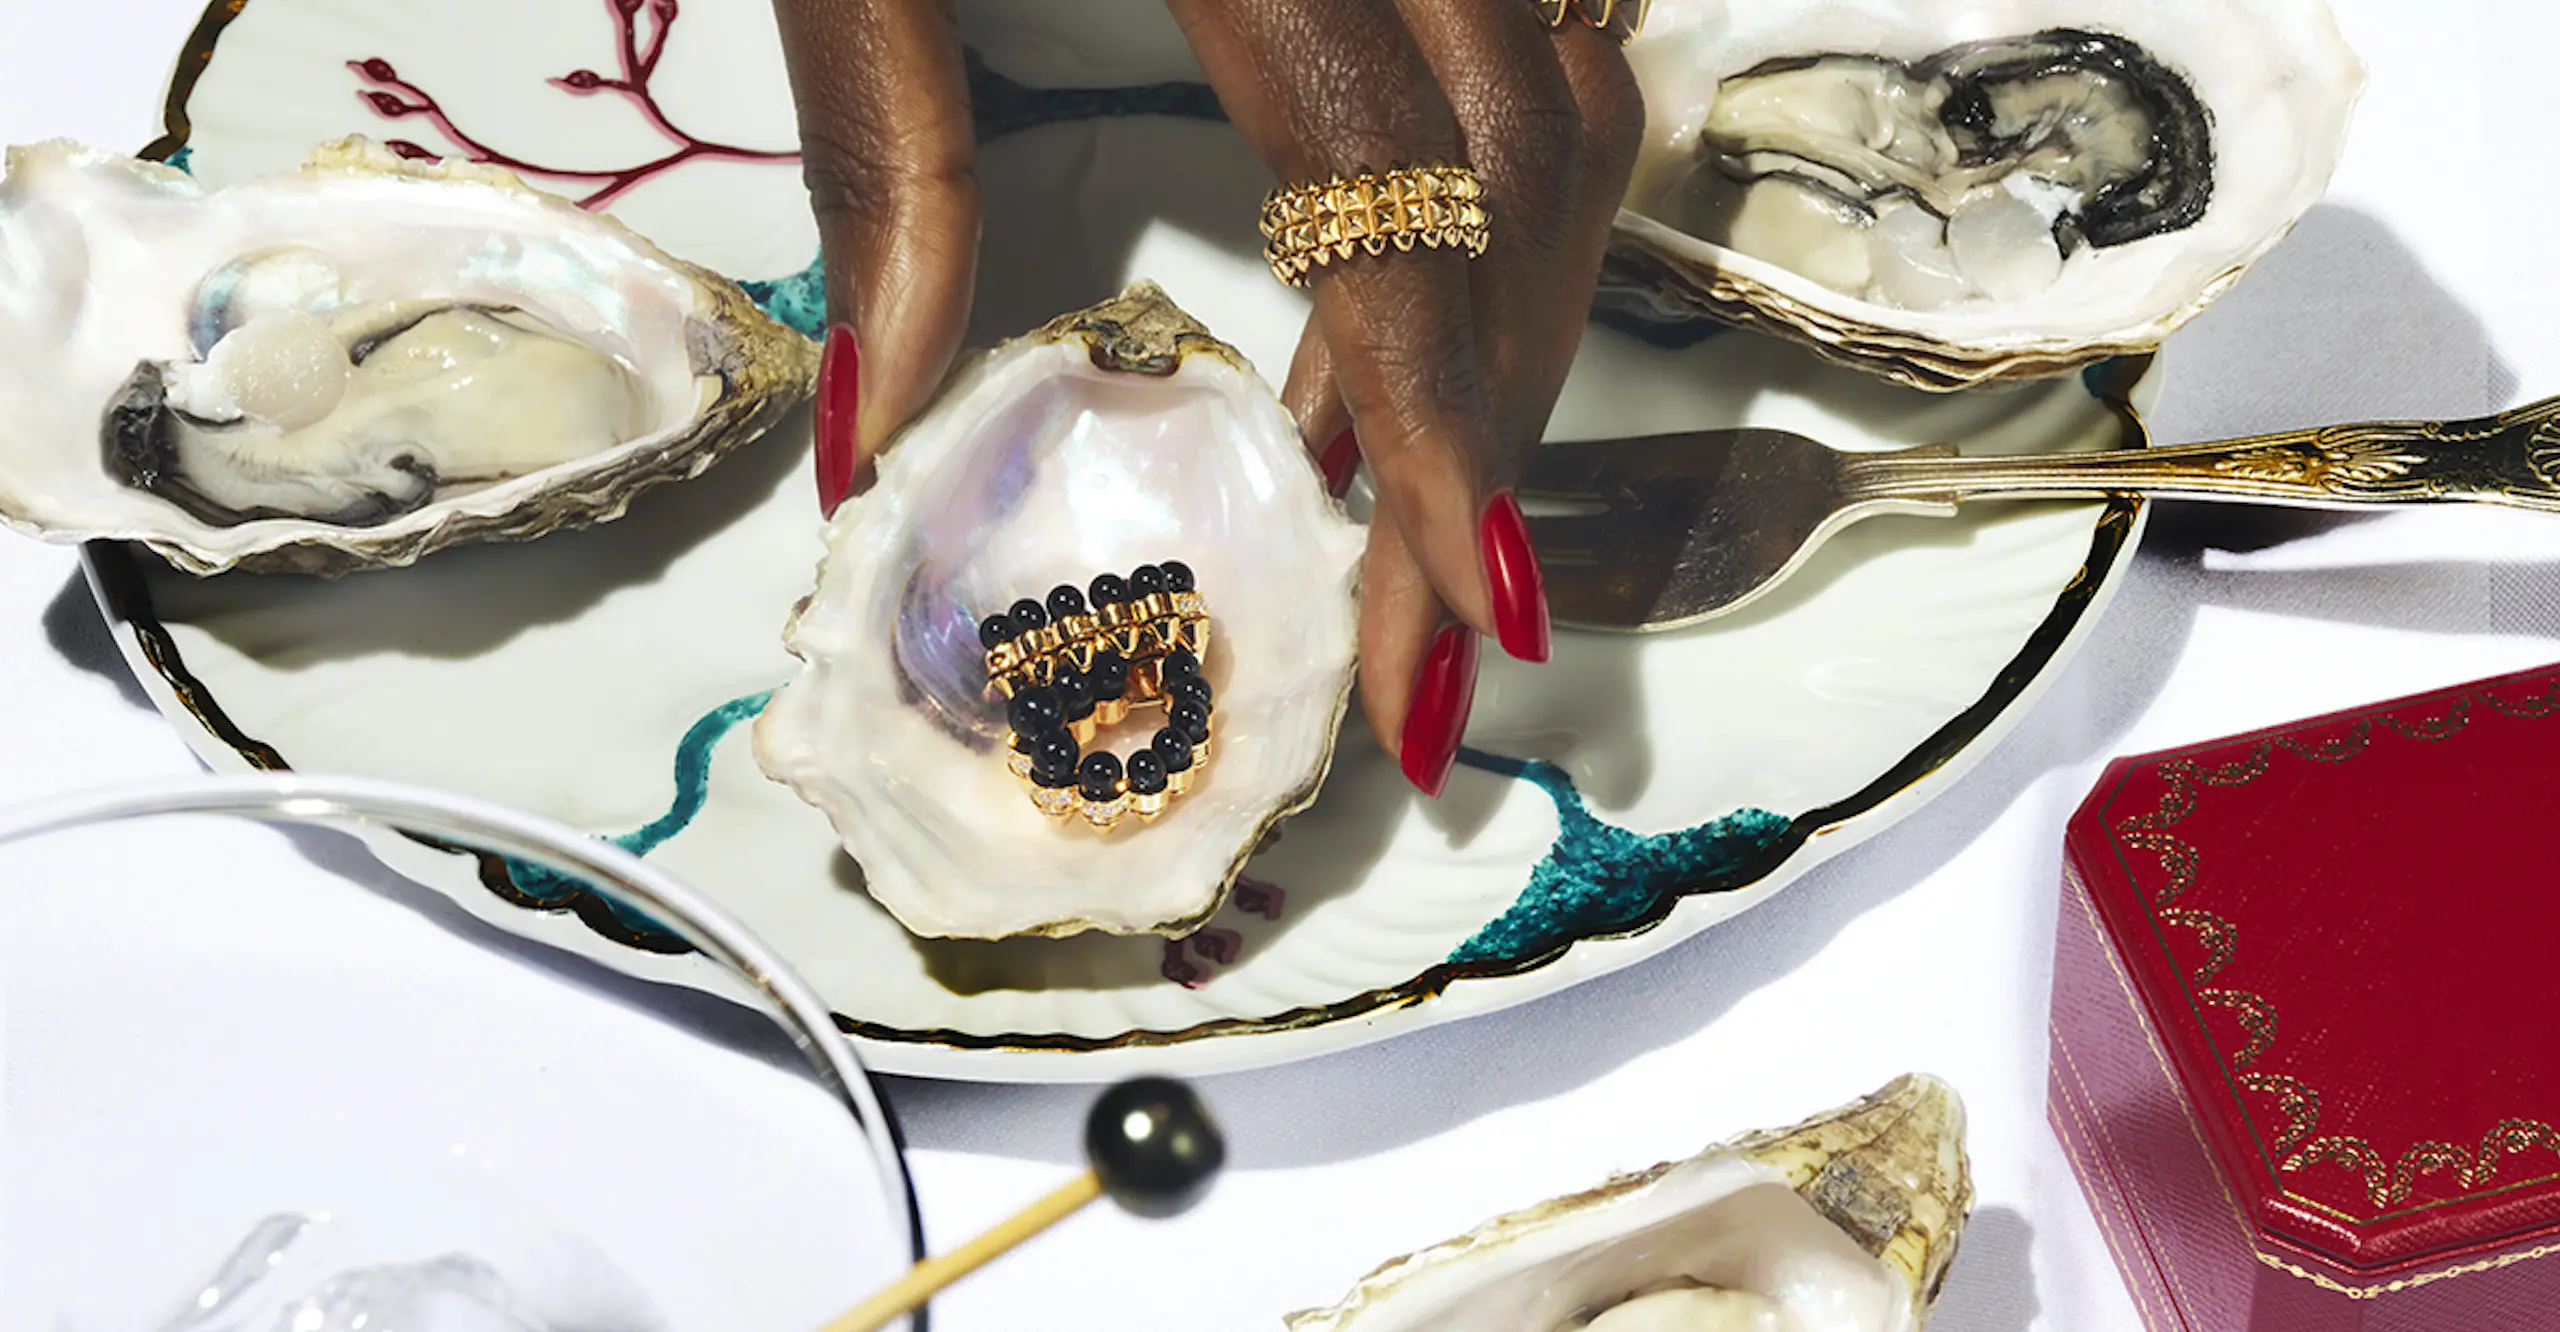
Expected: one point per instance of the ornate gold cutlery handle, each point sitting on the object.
(2512, 458)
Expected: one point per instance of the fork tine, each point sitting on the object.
(1562, 471)
(1591, 468)
(1612, 593)
(1574, 537)
(1605, 562)
(1604, 570)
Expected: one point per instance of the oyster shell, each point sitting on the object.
(352, 365)
(1118, 436)
(1844, 1223)
(1948, 195)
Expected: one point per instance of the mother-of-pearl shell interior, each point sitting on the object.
(1039, 467)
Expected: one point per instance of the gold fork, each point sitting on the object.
(1669, 530)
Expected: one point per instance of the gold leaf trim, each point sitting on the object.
(2387, 1183)
(2428, 1158)
(2341, 464)
(2152, 1041)
(2512, 1137)
(2533, 706)
(2435, 728)
(2257, 1018)
(2337, 1287)
(2355, 1154)
(2219, 937)
(2299, 1105)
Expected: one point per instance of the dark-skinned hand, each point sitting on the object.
(1438, 371)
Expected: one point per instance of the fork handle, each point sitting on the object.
(2512, 458)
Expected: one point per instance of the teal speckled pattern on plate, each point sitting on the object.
(693, 790)
(798, 301)
(1595, 878)
(1599, 877)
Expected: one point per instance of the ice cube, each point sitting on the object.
(449, 1294)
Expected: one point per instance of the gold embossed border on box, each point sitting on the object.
(2299, 1145)
(2076, 894)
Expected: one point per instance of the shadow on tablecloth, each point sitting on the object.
(2342, 322)
(1992, 1287)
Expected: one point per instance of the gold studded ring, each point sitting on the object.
(1621, 19)
(1305, 227)
(1071, 666)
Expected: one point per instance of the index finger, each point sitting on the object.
(887, 146)
(1326, 88)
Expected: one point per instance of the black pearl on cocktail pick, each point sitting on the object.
(1154, 1146)
(1177, 576)
(995, 631)
(1108, 590)
(1148, 1143)
(1065, 600)
(1145, 581)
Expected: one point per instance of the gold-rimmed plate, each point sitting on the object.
(1629, 794)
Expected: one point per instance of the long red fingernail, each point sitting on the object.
(1519, 586)
(1341, 462)
(839, 397)
(1444, 692)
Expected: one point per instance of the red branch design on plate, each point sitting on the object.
(395, 98)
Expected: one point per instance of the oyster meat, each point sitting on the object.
(1943, 196)
(352, 365)
(1968, 175)
(1120, 437)
(1844, 1223)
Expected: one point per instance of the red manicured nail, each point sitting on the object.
(1341, 462)
(1519, 586)
(1444, 692)
(839, 395)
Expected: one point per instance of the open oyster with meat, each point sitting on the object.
(1948, 194)
(351, 365)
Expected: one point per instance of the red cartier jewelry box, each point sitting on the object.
(2304, 1052)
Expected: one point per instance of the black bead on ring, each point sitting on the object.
(1075, 662)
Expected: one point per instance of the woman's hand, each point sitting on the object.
(1437, 370)
(887, 146)
(1442, 370)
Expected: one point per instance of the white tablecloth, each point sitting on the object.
(2424, 286)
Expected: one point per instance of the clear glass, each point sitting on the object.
(208, 1064)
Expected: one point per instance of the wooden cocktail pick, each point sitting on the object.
(1148, 1143)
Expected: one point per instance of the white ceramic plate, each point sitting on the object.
(1678, 778)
